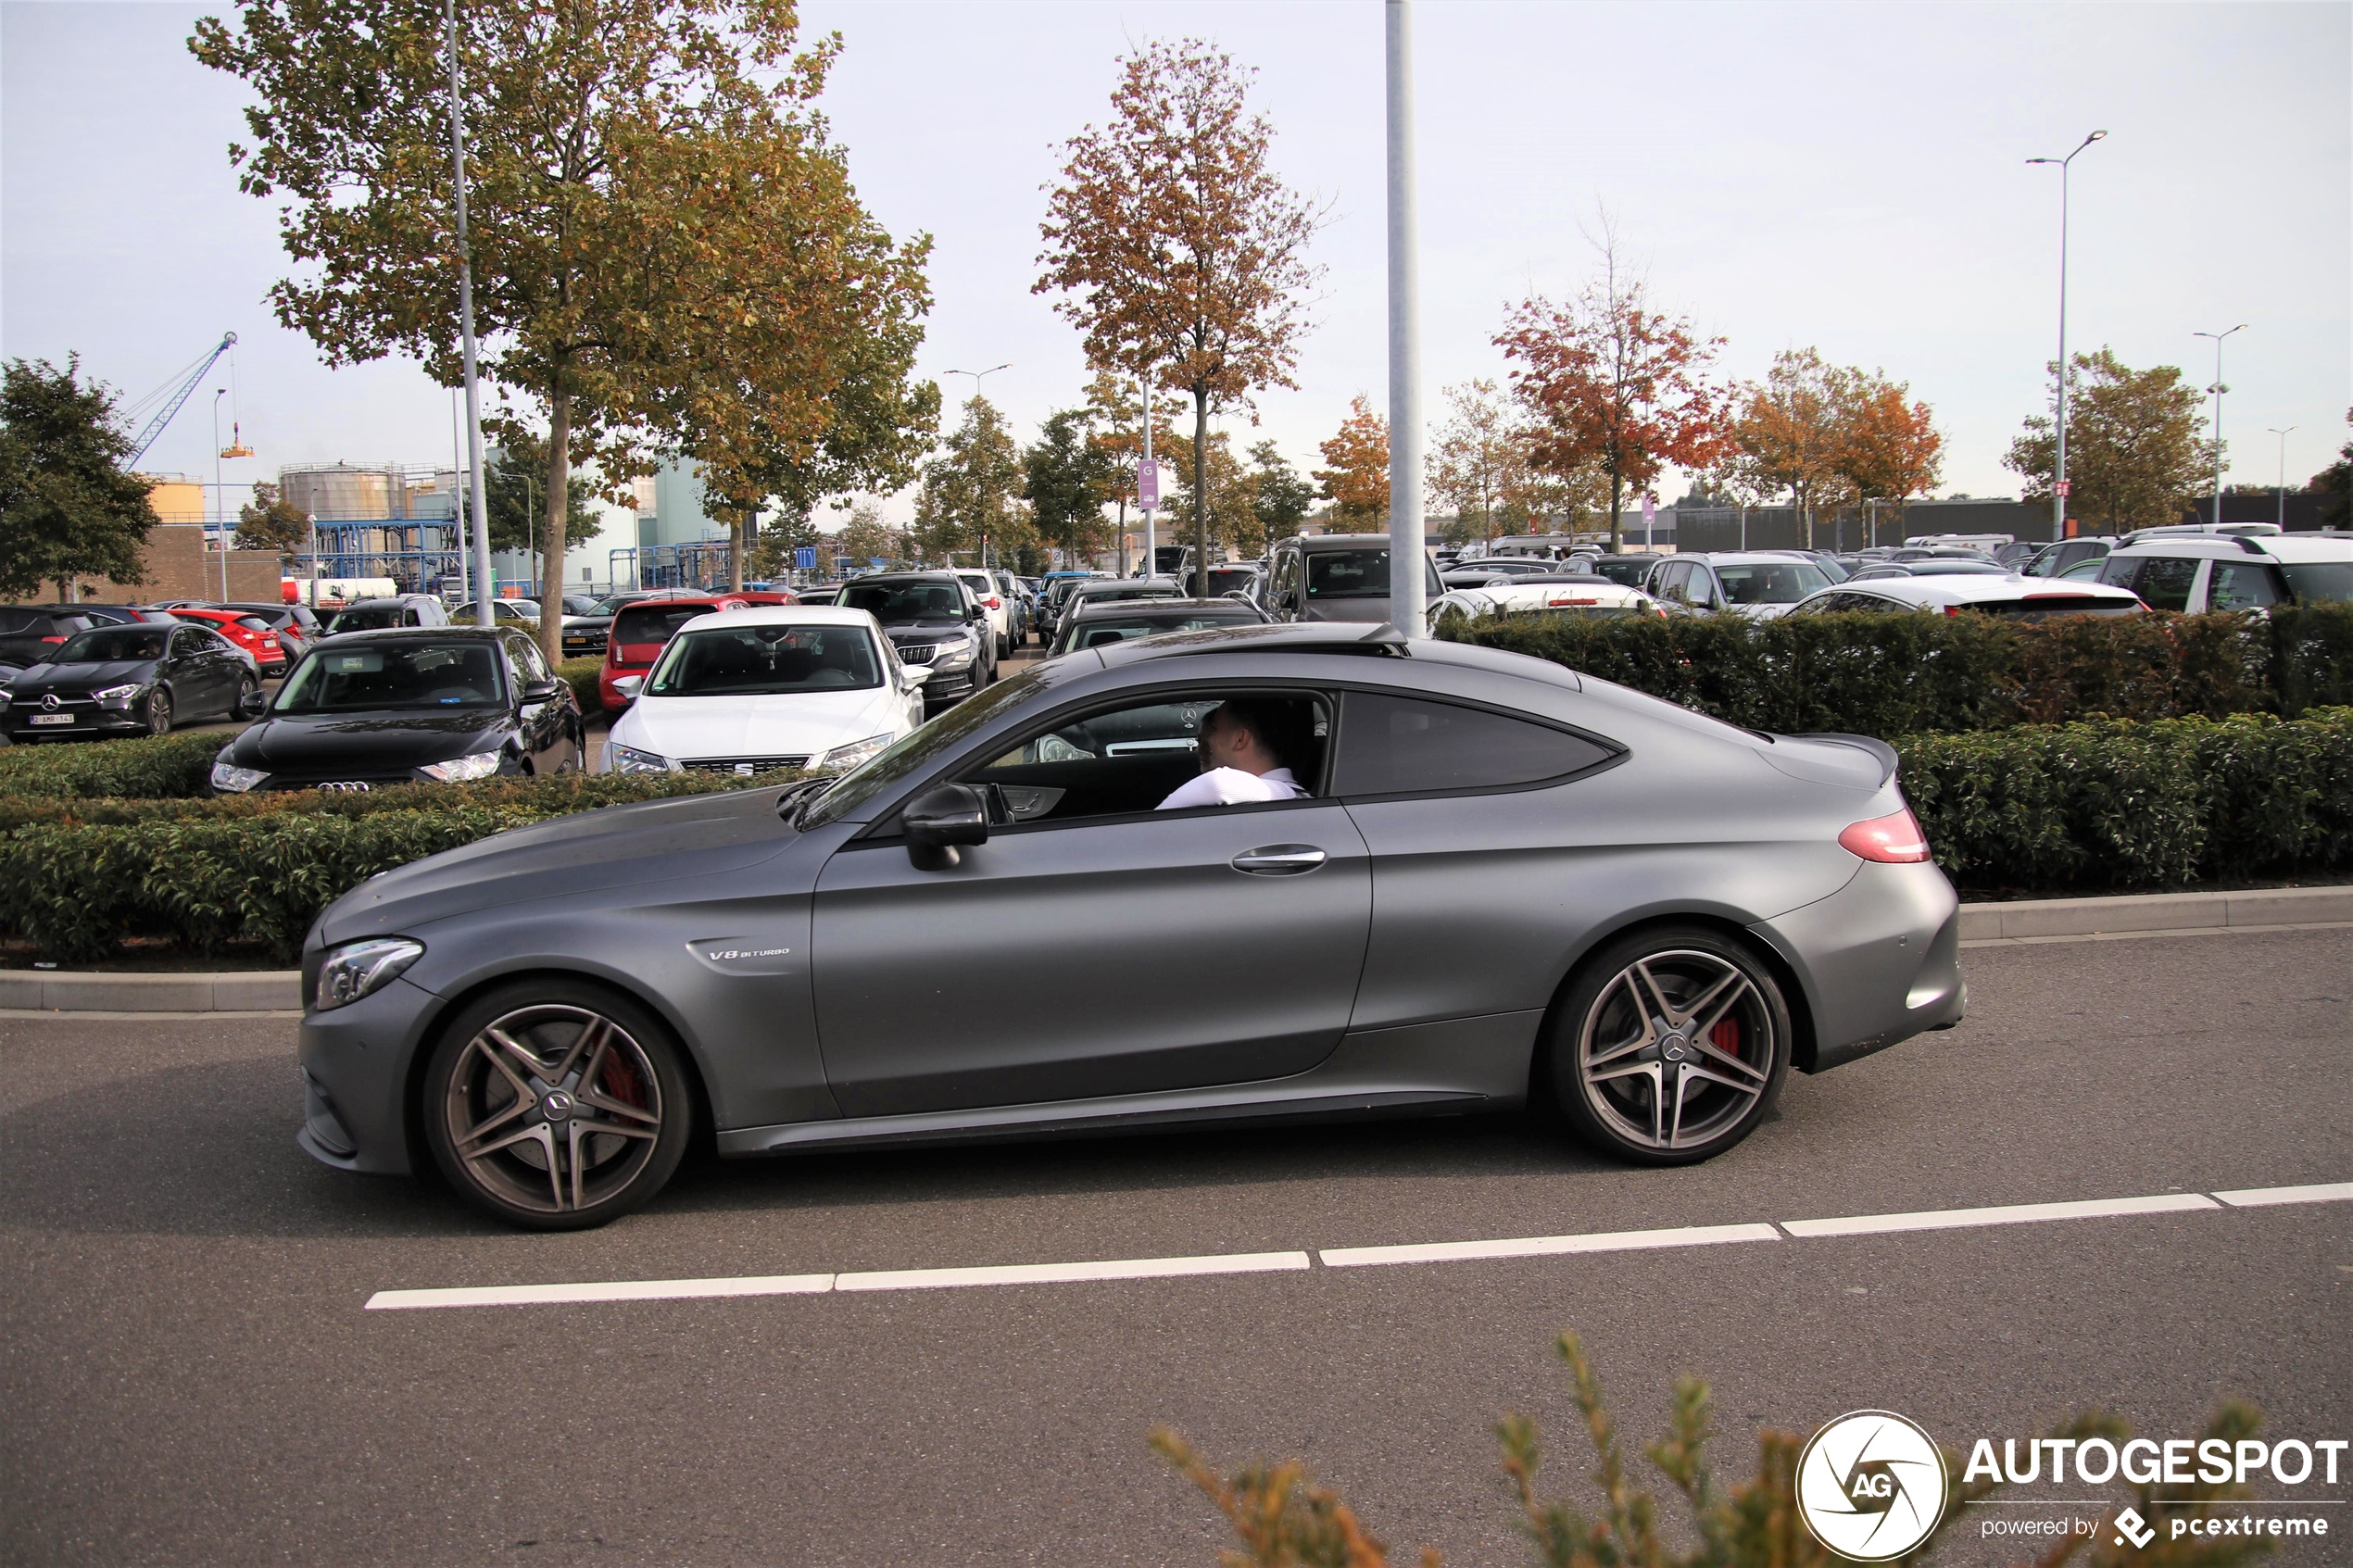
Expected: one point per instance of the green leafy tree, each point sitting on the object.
(1067, 477)
(1231, 503)
(1280, 497)
(514, 483)
(669, 257)
(66, 509)
(972, 491)
(2334, 484)
(2134, 458)
(865, 537)
(269, 521)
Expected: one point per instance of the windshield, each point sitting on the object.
(1095, 633)
(644, 623)
(913, 752)
(392, 677)
(1773, 583)
(371, 618)
(766, 661)
(1625, 573)
(1356, 574)
(895, 604)
(109, 643)
(2320, 582)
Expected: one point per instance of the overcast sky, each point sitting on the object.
(1849, 177)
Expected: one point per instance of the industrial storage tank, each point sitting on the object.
(347, 492)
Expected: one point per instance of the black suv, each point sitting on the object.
(931, 619)
(1335, 577)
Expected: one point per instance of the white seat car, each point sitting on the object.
(755, 691)
(1551, 592)
(2012, 597)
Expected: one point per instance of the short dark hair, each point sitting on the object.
(1273, 722)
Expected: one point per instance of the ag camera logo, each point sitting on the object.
(1870, 1485)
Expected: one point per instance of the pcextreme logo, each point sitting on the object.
(1870, 1485)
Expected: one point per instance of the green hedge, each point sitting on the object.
(157, 768)
(77, 876)
(2111, 804)
(582, 674)
(1893, 675)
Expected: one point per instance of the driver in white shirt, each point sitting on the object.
(1239, 758)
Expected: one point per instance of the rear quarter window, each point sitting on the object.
(1393, 744)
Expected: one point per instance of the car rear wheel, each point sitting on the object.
(248, 702)
(159, 712)
(556, 1105)
(1670, 1045)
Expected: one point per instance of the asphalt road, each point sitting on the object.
(188, 1375)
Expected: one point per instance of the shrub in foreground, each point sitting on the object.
(583, 673)
(145, 768)
(1284, 1521)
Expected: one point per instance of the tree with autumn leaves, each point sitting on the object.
(1355, 478)
(669, 257)
(1176, 250)
(1828, 435)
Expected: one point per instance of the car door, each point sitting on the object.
(223, 670)
(1213, 946)
(539, 720)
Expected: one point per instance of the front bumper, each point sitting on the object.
(355, 1065)
(87, 722)
(1879, 961)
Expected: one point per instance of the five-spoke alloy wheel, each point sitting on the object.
(1670, 1045)
(556, 1105)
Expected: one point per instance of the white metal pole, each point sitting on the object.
(221, 497)
(2218, 389)
(466, 329)
(2058, 486)
(1405, 589)
(457, 501)
(2280, 494)
(1152, 560)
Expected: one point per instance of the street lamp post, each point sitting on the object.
(482, 582)
(979, 376)
(2058, 486)
(2282, 491)
(219, 496)
(1405, 607)
(2218, 389)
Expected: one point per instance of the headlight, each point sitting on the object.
(355, 969)
(458, 769)
(952, 653)
(854, 753)
(117, 695)
(629, 760)
(229, 777)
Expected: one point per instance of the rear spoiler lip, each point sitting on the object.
(1879, 749)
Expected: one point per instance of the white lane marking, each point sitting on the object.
(2009, 1215)
(2258, 1198)
(612, 1290)
(1054, 1274)
(1543, 1245)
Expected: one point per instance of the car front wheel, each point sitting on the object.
(159, 712)
(556, 1105)
(248, 702)
(1670, 1045)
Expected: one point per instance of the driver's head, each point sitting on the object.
(1248, 733)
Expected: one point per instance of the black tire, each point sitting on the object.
(554, 1165)
(248, 702)
(1695, 1070)
(159, 712)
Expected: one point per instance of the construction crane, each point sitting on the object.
(175, 393)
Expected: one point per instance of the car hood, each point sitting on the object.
(690, 838)
(79, 680)
(810, 723)
(923, 630)
(366, 742)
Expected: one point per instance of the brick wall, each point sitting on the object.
(178, 567)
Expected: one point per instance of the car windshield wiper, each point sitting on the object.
(793, 792)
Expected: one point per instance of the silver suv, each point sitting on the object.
(2196, 572)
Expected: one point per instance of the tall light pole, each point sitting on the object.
(2058, 486)
(2218, 389)
(1405, 609)
(979, 376)
(221, 497)
(1152, 561)
(2282, 493)
(466, 332)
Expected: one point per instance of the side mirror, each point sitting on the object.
(915, 674)
(542, 691)
(627, 686)
(940, 821)
(974, 612)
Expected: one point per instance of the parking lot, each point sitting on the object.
(190, 1341)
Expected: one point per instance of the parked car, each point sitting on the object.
(1627, 572)
(503, 612)
(1927, 568)
(2006, 594)
(638, 631)
(122, 615)
(446, 704)
(129, 679)
(29, 633)
(2197, 572)
(1117, 590)
(297, 625)
(1056, 594)
(933, 620)
(1336, 577)
(1479, 572)
(1019, 612)
(2049, 560)
(1756, 583)
(1422, 930)
(1098, 622)
(820, 593)
(1561, 593)
(985, 592)
(755, 691)
(247, 631)
(1228, 577)
(402, 609)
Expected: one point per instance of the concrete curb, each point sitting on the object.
(281, 990)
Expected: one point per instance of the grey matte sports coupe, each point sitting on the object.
(1506, 884)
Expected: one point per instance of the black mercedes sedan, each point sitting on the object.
(444, 704)
(134, 679)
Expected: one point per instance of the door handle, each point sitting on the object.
(1279, 860)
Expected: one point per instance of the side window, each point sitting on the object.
(2241, 585)
(1130, 759)
(1673, 582)
(1395, 745)
(2164, 582)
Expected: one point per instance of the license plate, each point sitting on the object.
(53, 718)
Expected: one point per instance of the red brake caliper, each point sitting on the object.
(621, 1082)
(1726, 1038)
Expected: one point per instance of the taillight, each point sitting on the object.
(1894, 841)
(993, 602)
(53, 639)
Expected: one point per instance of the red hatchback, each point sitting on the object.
(246, 630)
(638, 632)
